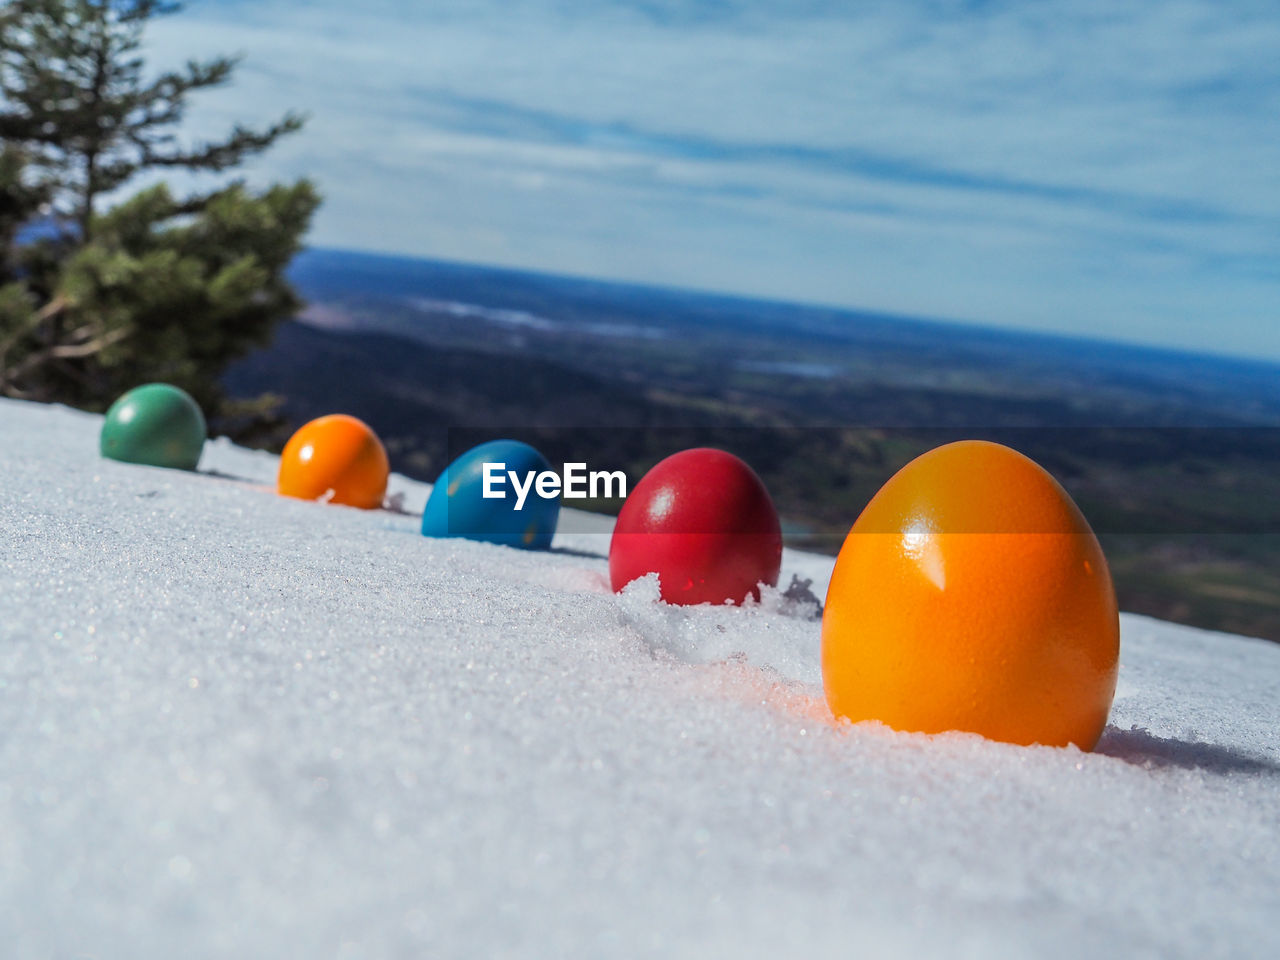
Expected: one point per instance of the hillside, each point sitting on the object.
(238, 725)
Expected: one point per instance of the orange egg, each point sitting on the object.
(337, 459)
(971, 594)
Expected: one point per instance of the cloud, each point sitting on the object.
(1107, 168)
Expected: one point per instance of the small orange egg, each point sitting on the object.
(971, 594)
(338, 459)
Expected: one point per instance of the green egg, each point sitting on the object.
(156, 424)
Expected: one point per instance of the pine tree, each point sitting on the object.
(94, 300)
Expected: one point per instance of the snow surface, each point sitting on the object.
(235, 725)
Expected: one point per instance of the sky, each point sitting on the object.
(1096, 167)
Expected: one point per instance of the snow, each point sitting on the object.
(235, 725)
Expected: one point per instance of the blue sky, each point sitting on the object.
(1107, 168)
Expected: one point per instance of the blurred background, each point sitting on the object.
(826, 236)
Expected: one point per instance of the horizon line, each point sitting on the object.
(952, 323)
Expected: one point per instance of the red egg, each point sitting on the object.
(704, 523)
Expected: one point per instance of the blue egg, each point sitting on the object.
(457, 506)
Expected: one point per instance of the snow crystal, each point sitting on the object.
(240, 725)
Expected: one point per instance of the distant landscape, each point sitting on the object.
(1171, 456)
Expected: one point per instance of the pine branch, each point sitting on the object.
(241, 144)
(44, 315)
(196, 203)
(9, 378)
(142, 10)
(90, 347)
